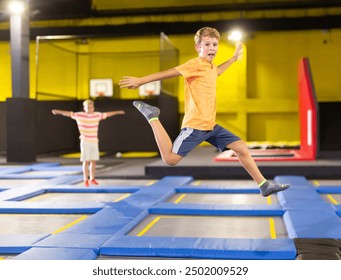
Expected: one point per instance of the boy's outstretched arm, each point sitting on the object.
(135, 82)
(113, 113)
(62, 112)
(237, 55)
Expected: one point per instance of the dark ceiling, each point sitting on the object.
(82, 9)
(66, 9)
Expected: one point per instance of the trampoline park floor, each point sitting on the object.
(46, 213)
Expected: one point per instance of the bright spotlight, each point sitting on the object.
(235, 36)
(16, 7)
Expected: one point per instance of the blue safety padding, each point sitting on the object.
(106, 221)
(217, 189)
(45, 176)
(173, 181)
(147, 197)
(21, 193)
(337, 209)
(65, 180)
(77, 168)
(36, 166)
(18, 243)
(299, 197)
(85, 241)
(156, 193)
(307, 214)
(294, 180)
(26, 176)
(312, 224)
(15, 207)
(206, 248)
(92, 189)
(27, 168)
(217, 210)
(329, 189)
(14, 170)
(8, 184)
(57, 254)
(23, 171)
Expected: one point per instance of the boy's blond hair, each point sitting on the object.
(206, 31)
(88, 101)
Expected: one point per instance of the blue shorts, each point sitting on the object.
(189, 138)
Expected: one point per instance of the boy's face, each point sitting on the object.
(89, 108)
(207, 48)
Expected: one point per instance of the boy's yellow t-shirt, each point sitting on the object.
(200, 93)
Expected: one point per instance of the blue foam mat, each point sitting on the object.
(20, 172)
(337, 209)
(218, 210)
(21, 193)
(307, 214)
(293, 180)
(173, 181)
(206, 248)
(329, 189)
(105, 221)
(92, 189)
(50, 207)
(18, 243)
(57, 254)
(85, 241)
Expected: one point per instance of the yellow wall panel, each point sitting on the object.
(273, 58)
(272, 127)
(5, 71)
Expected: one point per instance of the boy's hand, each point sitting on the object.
(129, 82)
(238, 53)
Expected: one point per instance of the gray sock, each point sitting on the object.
(270, 188)
(149, 112)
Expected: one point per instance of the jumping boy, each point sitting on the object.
(88, 122)
(199, 122)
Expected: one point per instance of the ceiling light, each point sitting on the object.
(235, 36)
(16, 7)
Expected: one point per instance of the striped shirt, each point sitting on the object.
(88, 124)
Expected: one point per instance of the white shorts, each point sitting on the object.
(89, 151)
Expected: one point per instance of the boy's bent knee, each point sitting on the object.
(172, 160)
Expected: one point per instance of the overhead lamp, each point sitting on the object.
(16, 7)
(235, 36)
